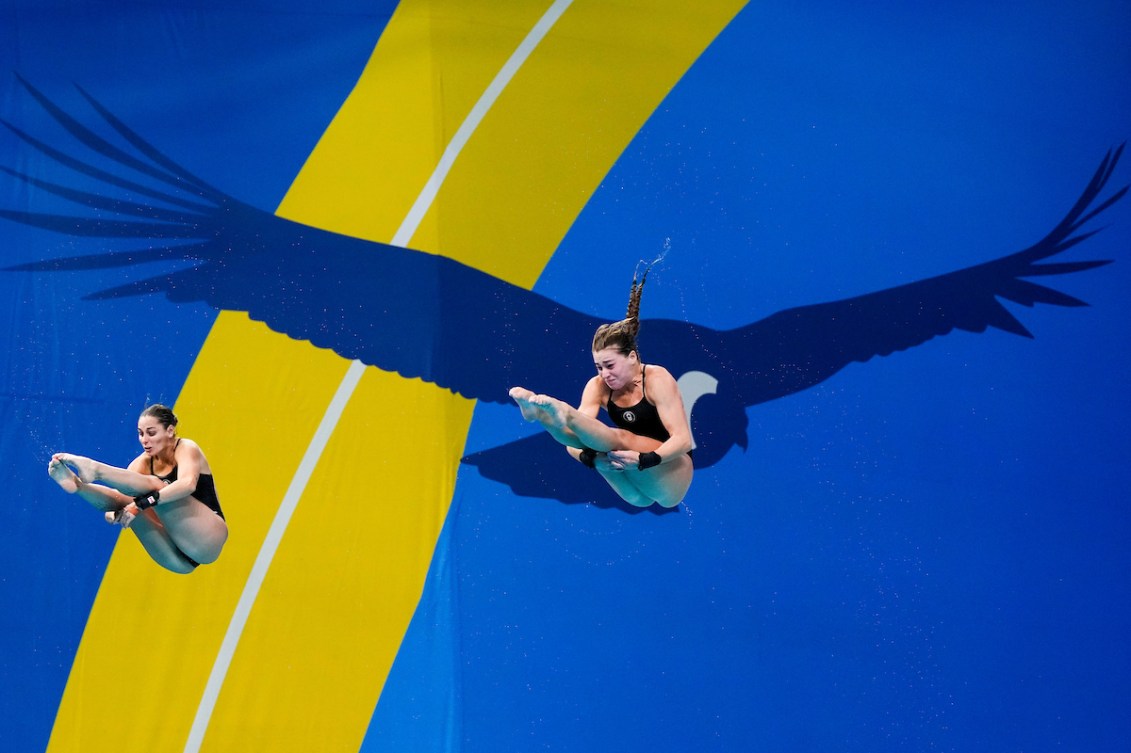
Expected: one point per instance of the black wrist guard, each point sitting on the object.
(648, 460)
(587, 456)
(146, 501)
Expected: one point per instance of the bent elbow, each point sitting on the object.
(683, 444)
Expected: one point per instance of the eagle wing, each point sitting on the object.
(421, 315)
(799, 347)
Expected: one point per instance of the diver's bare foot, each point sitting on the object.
(86, 468)
(525, 399)
(548, 411)
(553, 413)
(63, 476)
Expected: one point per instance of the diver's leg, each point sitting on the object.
(146, 526)
(159, 545)
(195, 529)
(665, 484)
(620, 483)
(100, 497)
(532, 410)
(122, 479)
(588, 430)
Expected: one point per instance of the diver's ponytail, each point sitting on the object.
(622, 335)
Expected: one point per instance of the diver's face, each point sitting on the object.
(153, 436)
(615, 369)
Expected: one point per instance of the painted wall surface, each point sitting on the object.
(332, 237)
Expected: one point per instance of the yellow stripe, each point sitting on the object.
(347, 576)
(432, 63)
(556, 131)
(346, 580)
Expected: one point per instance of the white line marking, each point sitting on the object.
(474, 118)
(349, 383)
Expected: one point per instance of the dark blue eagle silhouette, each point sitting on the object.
(430, 317)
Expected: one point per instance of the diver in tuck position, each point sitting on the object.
(646, 459)
(166, 496)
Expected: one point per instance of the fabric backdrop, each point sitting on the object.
(921, 550)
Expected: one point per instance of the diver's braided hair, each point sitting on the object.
(621, 336)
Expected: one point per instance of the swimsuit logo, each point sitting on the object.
(629, 416)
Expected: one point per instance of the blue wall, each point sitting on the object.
(923, 551)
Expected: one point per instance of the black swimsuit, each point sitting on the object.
(641, 419)
(204, 493)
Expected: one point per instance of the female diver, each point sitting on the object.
(166, 496)
(646, 459)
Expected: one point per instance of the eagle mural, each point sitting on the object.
(478, 335)
(335, 235)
